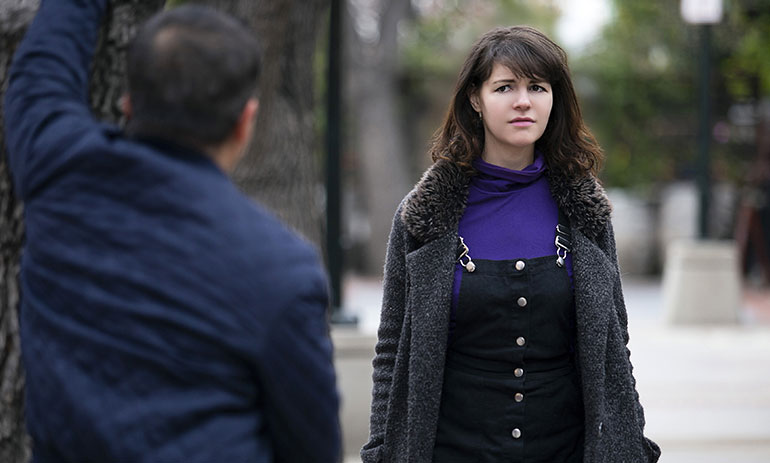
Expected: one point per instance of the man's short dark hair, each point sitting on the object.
(191, 71)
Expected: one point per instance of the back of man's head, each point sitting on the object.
(191, 70)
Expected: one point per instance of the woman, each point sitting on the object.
(503, 332)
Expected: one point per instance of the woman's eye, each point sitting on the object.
(537, 88)
(502, 89)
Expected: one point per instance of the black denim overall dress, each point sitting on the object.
(511, 392)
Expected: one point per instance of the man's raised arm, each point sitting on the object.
(46, 104)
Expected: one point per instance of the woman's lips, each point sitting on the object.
(522, 122)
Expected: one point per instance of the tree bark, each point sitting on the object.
(280, 168)
(107, 85)
(108, 72)
(14, 442)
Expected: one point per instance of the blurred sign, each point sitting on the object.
(702, 11)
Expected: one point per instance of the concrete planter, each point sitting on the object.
(701, 283)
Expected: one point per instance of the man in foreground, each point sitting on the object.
(165, 317)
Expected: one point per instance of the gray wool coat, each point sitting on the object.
(412, 337)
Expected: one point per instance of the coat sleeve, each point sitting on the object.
(388, 337)
(652, 450)
(46, 107)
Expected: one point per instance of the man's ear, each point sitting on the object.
(125, 105)
(245, 125)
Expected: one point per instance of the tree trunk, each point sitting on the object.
(107, 84)
(14, 442)
(280, 168)
(108, 73)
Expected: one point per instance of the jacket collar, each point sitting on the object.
(437, 202)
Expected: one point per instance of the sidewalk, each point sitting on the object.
(705, 389)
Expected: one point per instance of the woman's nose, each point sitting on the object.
(522, 100)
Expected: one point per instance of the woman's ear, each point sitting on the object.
(473, 96)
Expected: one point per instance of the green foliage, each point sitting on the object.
(747, 66)
(638, 83)
(638, 91)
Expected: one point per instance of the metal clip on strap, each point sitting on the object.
(561, 250)
(562, 241)
(468, 264)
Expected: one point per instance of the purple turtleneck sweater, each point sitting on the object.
(510, 214)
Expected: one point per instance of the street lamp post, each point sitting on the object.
(703, 13)
(701, 283)
(334, 254)
(333, 145)
(704, 135)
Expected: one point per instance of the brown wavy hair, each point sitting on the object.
(568, 146)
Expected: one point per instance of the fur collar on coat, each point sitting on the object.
(438, 200)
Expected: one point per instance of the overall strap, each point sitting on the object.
(562, 240)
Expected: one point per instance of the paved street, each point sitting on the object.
(705, 389)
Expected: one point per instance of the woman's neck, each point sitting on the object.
(513, 159)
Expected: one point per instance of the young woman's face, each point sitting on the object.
(514, 111)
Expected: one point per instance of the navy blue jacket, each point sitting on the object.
(164, 316)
